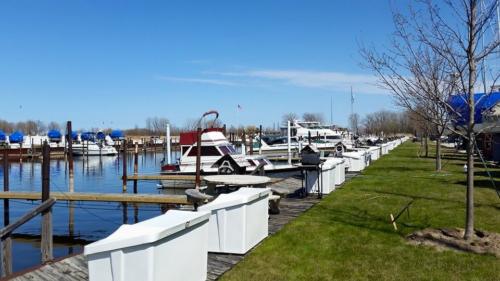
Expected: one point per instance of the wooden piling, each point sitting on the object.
(6, 265)
(136, 165)
(46, 235)
(69, 140)
(124, 178)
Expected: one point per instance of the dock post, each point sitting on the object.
(136, 213)
(289, 147)
(6, 264)
(46, 235)
(124, 177)
(136, 165)
(69, 140)
(21, 152)
(198, 159)
(260, 139)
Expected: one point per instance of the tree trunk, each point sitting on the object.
(469, 214)
(438, 154)
(469, 223)
(426, 146)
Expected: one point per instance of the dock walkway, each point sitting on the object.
(74, 268)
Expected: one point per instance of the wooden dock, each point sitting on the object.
(75, 268)
(108, 197)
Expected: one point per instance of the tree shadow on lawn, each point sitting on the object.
(486, 183)
(361, 218)
(415, 197)
(493, 173)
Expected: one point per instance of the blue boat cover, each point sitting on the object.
(87, 136)
(16, 137)
(3, 137)
(54, 134)
(483, 104)
(100, 136)
(116, 134)
(74, 136)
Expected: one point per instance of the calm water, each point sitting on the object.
(92, 220)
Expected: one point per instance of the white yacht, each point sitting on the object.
(218, 156)
(87, 145)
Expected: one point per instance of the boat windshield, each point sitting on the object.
(227, 149)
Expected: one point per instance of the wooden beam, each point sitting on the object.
(101, 197)
(26, 217)
(162, 177)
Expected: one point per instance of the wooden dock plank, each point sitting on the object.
(109, 197)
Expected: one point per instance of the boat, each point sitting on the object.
(88, 145)
(217, 156)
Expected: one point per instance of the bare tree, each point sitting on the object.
(54, 126)
(433, 57)
(313, 117)
(291, 116)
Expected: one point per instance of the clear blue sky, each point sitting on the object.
(115, 63)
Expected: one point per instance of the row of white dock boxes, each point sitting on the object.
(331, 172)
(175, 246)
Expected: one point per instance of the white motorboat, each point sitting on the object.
(87, 145)
(218, 156)
(90, 148)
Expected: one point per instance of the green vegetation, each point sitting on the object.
(347, 236)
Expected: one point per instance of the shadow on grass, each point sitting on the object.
(482, 184)
(361, 218)
(493, 173)
(412, 196)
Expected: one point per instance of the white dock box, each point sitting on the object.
(172, 246)
(356, 159)
(327, 178)
(339, 171)
(238, 221)
(375, 152)
(385, 148)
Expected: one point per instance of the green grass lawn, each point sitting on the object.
(347, 236)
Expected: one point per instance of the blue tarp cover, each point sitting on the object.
(74, 136)
(54, 134)
(87, 136)
(3, 137)
(483, 103)
(116, 134)
(100, 136)
(16, 137)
